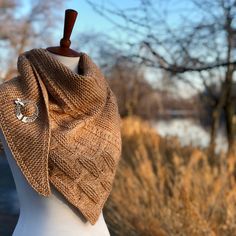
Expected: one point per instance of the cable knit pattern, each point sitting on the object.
(75, 142)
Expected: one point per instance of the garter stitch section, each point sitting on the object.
(75, 141)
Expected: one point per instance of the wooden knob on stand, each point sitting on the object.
(64, 48)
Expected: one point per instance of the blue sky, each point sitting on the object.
(86, 19)
(89, 21)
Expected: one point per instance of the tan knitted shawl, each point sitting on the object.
(74, 140)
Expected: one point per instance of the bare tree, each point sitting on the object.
(200, 45)
(25, 28)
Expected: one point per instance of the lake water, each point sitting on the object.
(190, 132)
(9, 205)
(8, 197)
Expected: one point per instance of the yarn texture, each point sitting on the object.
(74, 143)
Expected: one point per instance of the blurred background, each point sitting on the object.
(171, 65)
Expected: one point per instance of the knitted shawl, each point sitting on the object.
(63, 128)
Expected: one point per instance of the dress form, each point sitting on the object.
(53, 215)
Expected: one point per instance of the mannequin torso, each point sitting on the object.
(53, 215)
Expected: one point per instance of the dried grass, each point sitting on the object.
(164, 189)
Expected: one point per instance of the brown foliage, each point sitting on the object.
(164, 189)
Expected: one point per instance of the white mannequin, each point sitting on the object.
(53, 215)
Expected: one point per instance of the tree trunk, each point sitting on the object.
(216, 120)
(214, 127)
(229, 113)
(229, 82)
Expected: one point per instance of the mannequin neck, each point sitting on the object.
(70, 62)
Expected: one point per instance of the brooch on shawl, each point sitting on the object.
(22, 103)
